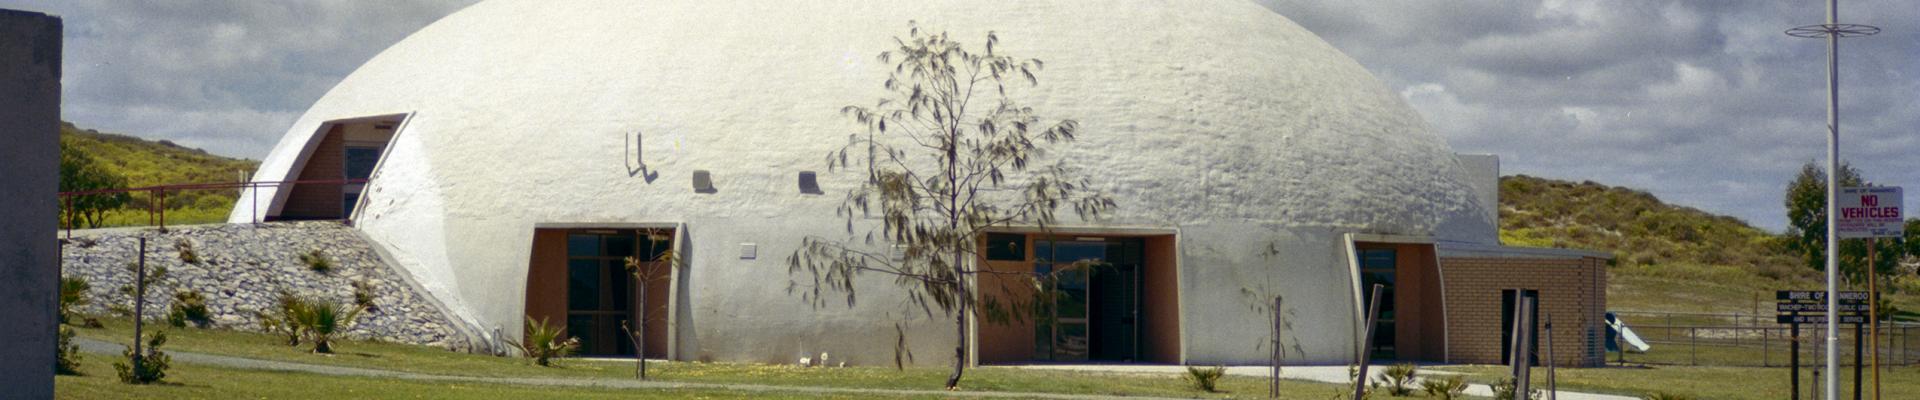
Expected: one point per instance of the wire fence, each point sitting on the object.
(1750, 340)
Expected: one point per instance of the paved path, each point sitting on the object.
(101, 347)
(1328, 374)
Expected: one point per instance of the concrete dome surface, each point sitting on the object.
(1218, 118)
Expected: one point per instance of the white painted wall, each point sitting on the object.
(1218, 118)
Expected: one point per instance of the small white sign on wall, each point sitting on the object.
(749, 251)
(1870, 212)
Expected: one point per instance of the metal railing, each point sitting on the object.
(157, 207)
(1749, 340)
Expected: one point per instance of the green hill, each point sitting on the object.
(1667, 257)
(146, 163)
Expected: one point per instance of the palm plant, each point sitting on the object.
(1445, 389)
(284, 318)
(1205, 379)
(545, 342)
(1397, 379)
(321, 320)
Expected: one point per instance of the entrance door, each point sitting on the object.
(1377, 266)
(1096, 309)
(601, 293)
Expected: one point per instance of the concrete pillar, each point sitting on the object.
(30, 50)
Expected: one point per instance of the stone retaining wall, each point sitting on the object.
(242, 268)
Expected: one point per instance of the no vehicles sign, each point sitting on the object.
(1870, 212)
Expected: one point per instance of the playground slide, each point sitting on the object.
(1620, 327)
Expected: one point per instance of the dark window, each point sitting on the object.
(1377, 267)
(347, 202)
(1006, 247)
(361, 160)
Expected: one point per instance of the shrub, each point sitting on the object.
(1445, 389)
(1397, 379)
(283, 319)
(1668, 396)
(363, 295)
(188, 306)
(147, 368)
(1204, 379)
(321, 320)
(66, 359)
(543, 342)
(317, 261)
(186, 251)
(73, 292)
(1504, 390)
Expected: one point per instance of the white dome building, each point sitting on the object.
(513, 148)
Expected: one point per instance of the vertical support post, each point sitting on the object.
(1366, 345)
(1273, 384)
(163, 208)
(1523, 354)
(72, 213)
(1793, 357)
(1552, 386)
(1833, 197)
(1873, 311)
(1766, 347)
(1858, 359)
(253, 195)
(139, 301)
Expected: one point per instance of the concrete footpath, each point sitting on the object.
(1328, 374)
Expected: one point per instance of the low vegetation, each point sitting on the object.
(147, 366)
(545, 343)
(317, 262)
(321, 321)
(1205, 379)
(1397, 380)
(189, 307)
(1449, 388)
(66, 359)
(73, 292)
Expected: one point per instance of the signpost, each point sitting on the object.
(1797, 307)
(1872, 213)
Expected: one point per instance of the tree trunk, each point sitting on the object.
(640, 335)
(959, 349)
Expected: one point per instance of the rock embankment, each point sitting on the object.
(241, 269)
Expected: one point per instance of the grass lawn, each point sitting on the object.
(429, 360)
(197, 382)
(1732, 383)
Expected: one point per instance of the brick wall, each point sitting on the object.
(1572, 295)
(320, 201)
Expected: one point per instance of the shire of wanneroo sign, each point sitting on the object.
(1870, 212)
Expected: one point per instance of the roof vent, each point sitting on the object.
(703, 182)
(810, 183)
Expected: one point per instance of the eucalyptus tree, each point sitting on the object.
(948, 153)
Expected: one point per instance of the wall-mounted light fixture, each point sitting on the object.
(749, 251)
(703, 182)
(810, 183)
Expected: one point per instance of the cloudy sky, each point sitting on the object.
(1704, 103)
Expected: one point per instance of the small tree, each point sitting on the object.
(1806, 201)
(79, 172)
(947, 155)
(645, 272)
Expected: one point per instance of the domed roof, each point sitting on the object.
(521, 112)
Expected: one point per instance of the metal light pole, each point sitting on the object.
(1832, 31)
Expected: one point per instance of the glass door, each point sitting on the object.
(599, 291)
(1065, 337)
(1377, 266)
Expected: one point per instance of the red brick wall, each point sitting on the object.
(1572, 294)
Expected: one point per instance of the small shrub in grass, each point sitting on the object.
(317, 262)
(1205, 378)
(66, 360)
(1505, 388)
(189, 306)
(1397, 379)
(544, 343)
(145, 368)
(1453, 387)
(1668, 396)
(73, 292)
(283, 318)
